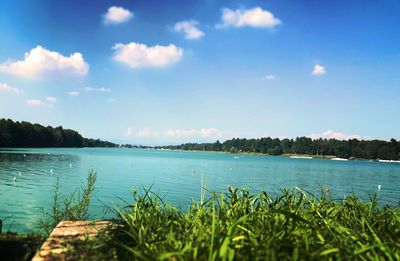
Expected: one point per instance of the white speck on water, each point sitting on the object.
(379, 187)
(15, 179)
(70, 165)
(51, 171)
(20, 173)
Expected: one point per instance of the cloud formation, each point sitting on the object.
(117, 15)
(101, 89)
(7, 88)
(330, 134)
(40, 62)
(138, 55)
(128, 132)
(190, 29)
(270, 77)
(204, 133)
(73, 93)
(254, 17)
(51, 99)
(147, 133)
(318, 70)
(35, 102)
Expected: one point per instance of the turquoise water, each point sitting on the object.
(177, 175)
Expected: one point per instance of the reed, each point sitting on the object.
(240, 226)
(68, 207)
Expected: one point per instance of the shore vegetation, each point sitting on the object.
(322, 148)
(237, 225)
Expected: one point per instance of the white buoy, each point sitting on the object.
(24, 155)
(379, 187)
(51, 171)
(70, 165)
(15, 179)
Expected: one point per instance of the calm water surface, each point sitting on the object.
(175, 174)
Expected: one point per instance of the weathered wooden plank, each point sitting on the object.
(66, 233)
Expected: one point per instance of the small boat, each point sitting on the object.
(300, 157)
(340, 159)
(390, 161)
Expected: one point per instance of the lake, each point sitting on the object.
(175, 175)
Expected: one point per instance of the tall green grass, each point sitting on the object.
(239, 226)
(69, 207)
(293, 225)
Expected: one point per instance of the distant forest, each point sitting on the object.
(25, 134)
(360, 149)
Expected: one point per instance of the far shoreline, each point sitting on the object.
(287, 155)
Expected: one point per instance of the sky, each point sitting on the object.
(166, 72)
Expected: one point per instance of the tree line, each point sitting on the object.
(25, 134)
(353, 148)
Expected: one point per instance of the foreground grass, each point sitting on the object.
(72, 207)
(239, 226)
(294, 225)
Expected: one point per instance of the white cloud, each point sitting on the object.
(101, 89)
(270, 77)
(318, 70)
(35, 102)
(146, 133)
(204, 133)
(73, 93)
(254, 17)
(190, 29)
(39, 62)
(330, 134)
(139, 55)
(117, 15)
(128, 132)
(51, 99)
(7, 88)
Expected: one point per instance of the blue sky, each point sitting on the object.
(165, 72)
